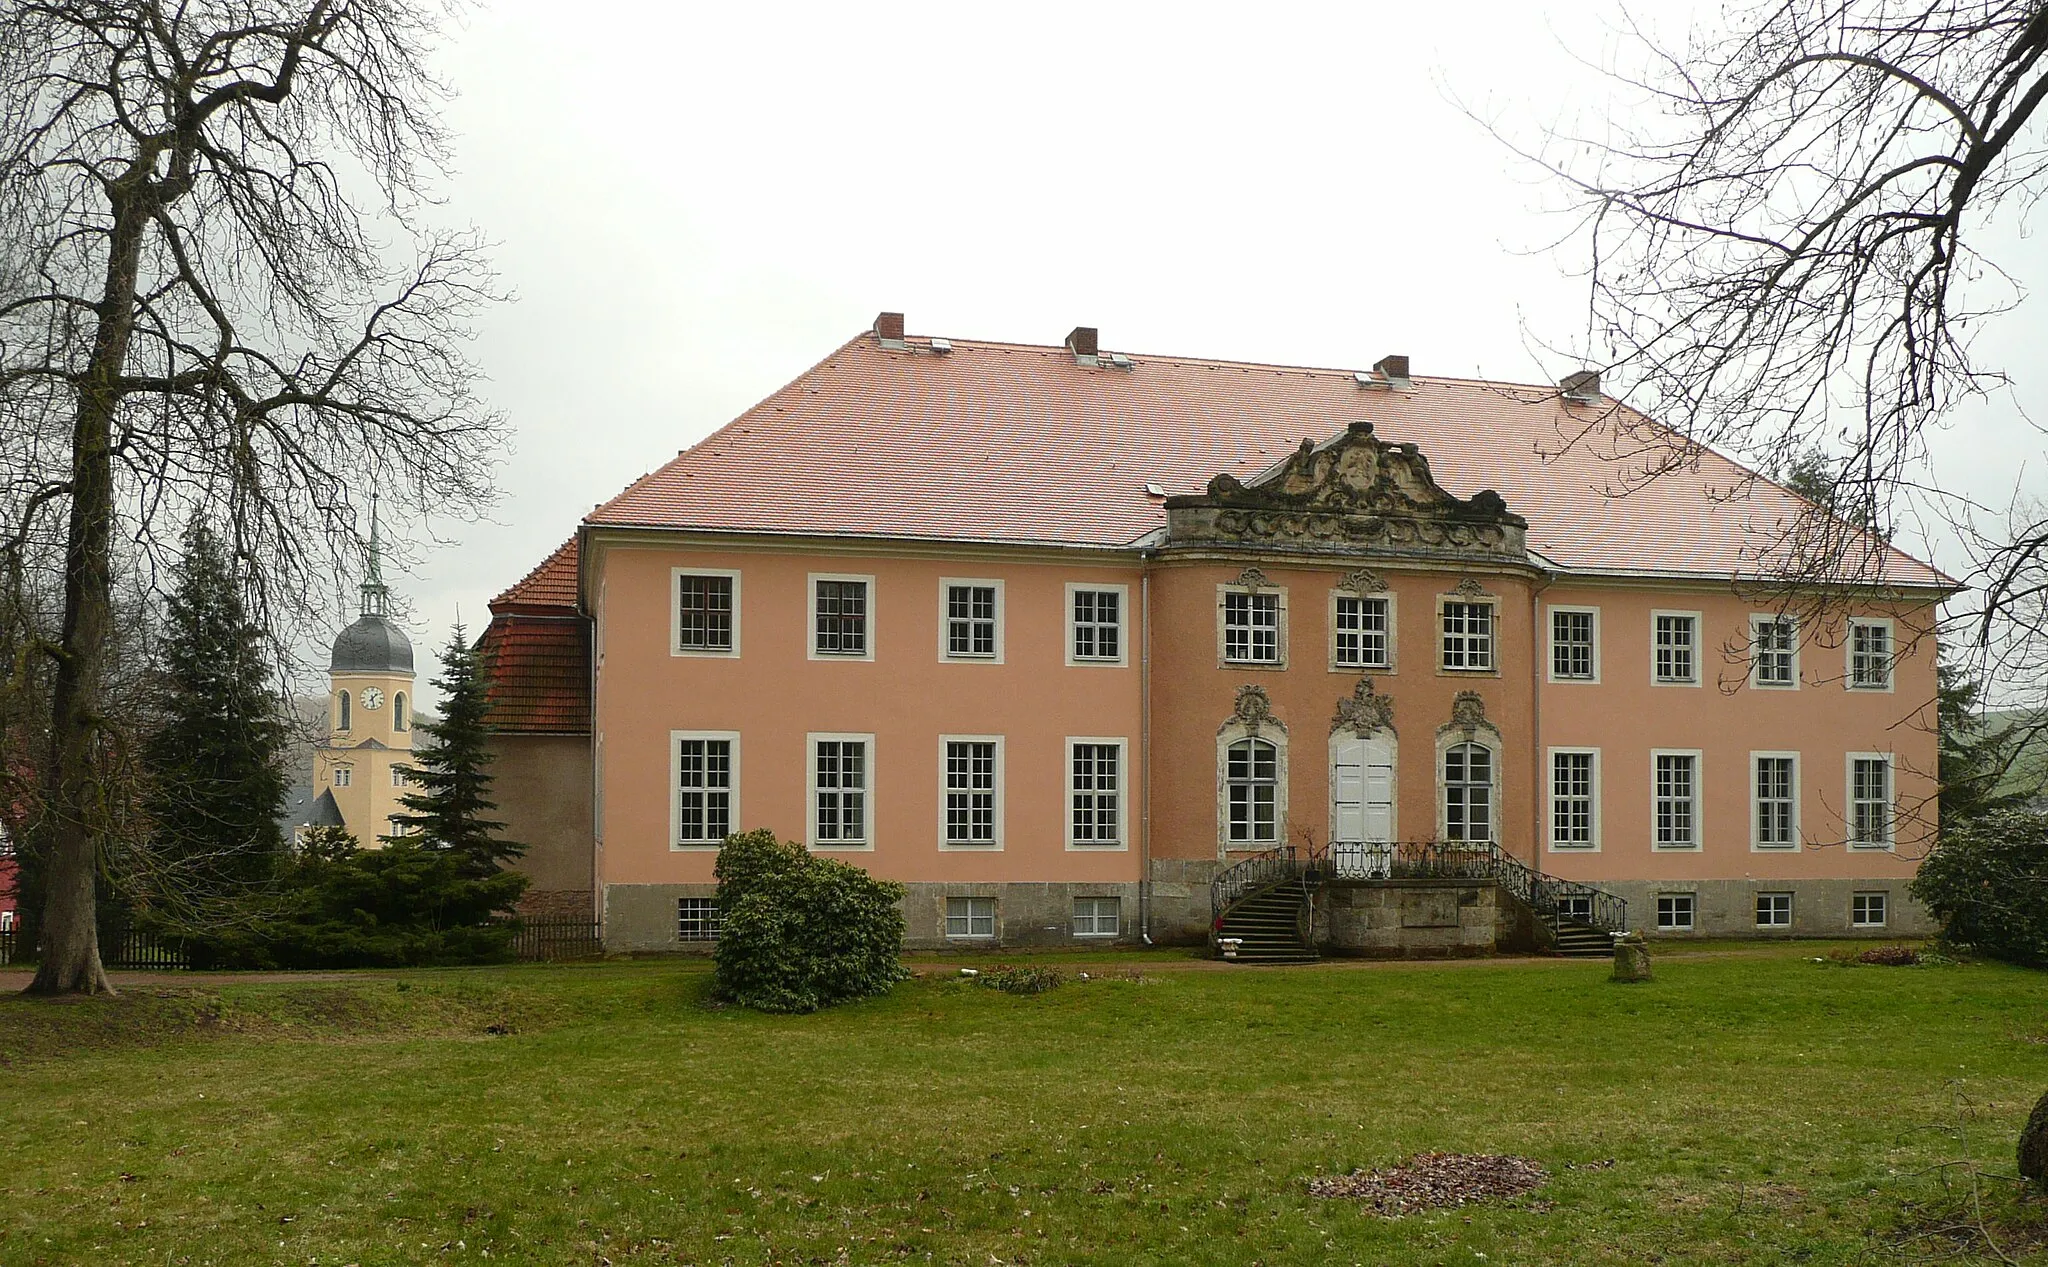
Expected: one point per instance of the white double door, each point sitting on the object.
(1362, 803)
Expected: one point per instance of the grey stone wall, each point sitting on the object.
(1820, 908)
(1420, 918)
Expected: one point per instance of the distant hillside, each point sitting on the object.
(2028, 774)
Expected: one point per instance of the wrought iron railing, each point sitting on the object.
(1550, 898)
(1553, 899)
(1243, 878)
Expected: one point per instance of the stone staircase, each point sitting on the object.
(1268, 923)
(1581, 941)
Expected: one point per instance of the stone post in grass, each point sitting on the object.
(2034, 1145)
(1631, 957)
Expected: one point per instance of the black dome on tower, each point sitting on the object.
(375, 643)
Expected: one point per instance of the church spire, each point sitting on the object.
(374, 593)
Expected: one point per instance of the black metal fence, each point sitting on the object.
(128, 948)
(541, 940)
(7, 947)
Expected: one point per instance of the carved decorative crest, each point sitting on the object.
(1471, 588)
(1364, 581)
(1252, 579)
(1468, 716)
(1365, 712)
(1254, 710)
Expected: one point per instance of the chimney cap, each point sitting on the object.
(1393, 367)
(1582, 386)
(889, 329)
(1083, 342)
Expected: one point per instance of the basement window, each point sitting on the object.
(1675, 912)
(697, 919)
(970, 917)
(1774, 910)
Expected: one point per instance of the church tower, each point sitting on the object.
(360, 771)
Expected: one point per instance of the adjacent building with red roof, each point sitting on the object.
(1080, 644)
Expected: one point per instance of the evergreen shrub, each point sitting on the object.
(1987, 881)
(799, 932)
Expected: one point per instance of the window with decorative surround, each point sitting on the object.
(1468, 792)
(344, 775)
(1252, 612)
(1252, 776)
(1467, 617)
(1362, 623)
(1870, 655)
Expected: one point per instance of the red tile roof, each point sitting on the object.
(539, 673)
(550, 585)
(1012, 443)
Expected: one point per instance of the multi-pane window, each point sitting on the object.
(1867, 910)
(1674, 912)
(1571, 644)
(703, 613)
(1252, 780)
(1571, 800)
(703, 791)
(1468, 635)
(398, 777)
(1870, 656)
(971, 621)
(1676, 639)
(1774, 910)
(697, 919)
(1098, 916)
(970, 917)
(1096, 794)
(1675, 812)
(1098, 624)
(970, 792)
(1361, 632)
(1776, 817)
(1468, 792)
(344, 775)
(842, 618)
(1870, 802)
(840, 780)
(1251, 627)
(1575, 908)
(1774, 644)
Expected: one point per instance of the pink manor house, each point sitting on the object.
(1086, 646)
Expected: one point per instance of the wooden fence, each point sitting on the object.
(543, 939)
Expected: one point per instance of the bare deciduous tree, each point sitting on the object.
(200, 312)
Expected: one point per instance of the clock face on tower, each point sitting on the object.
(373, 699)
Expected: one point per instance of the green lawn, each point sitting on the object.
(1756, 1106)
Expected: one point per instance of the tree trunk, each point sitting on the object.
(78, 797)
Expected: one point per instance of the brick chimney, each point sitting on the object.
(889, 329)
(1392, 368)
(1582, 386)
(1081, 341)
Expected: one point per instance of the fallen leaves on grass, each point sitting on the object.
(1434, 1181)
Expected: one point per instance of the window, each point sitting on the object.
(341, 718)
(1095, 792)
(972, 782)
(842, 617)
(394, 828)
(1468, 635)
(1870, 655)
(1573, 647)
(1674, 638)
(706, 780)
(398, 777)
(1361, 631)
(970, 628)
(1098, 916)
(1251, 627)
(1468, 792)
(1675, 797)
(840, 783)
(344, 775)
(1097, 616)
(1867, 910)
(707, 612)
(1674, 912)
(399, 719)
(6, 921)
(1252, 779)
(1774, 910)
(1575, 908)
(1774, 792)
(1870, 801)
(697, 919)
(1573, 811)
(1774, 652)
(970, 917)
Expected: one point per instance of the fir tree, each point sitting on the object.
(451, 771)
(216, 781)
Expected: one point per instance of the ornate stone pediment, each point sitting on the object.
(1364, 581)
(1356, 492)
(1365, 712)
(1468, 717)
(1253, 711)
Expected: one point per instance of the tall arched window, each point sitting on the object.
(1468, 792)
(398, 718)
(1252, 776)
(341, 711)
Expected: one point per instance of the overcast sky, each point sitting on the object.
(694, 203)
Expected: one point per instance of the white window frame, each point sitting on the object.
(1698, 622)
(1850, 802)
(401, 776)
(675, 790)
(1123, 626)
(812, 839)
(995, 915)
(1444, 603)
(1791, 904)
(1278, 593)
(1756, 621)
(1252, 843)
(811, 617)
(1756, 842)
(946, 653)
(1393, 623)
(1692, 912)
(1095, 917)
(1884, 899)
(344, 775)
(1122, 843)
(1593, 793)
(1891, 655)
(1480, 739)
(1699, 778)
(1550, 643)
(715, 921)
(675, 613)
(995, 845)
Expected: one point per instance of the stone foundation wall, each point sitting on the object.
(1419, 918)
(1820, 908)
(557, 904)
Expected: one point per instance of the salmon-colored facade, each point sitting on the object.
(1048, 736)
